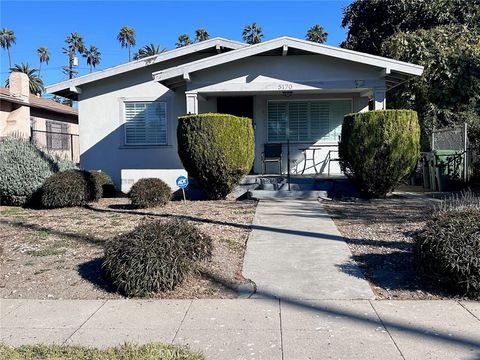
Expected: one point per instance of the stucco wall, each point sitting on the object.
(101, 108)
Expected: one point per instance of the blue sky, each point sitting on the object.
(48, 23)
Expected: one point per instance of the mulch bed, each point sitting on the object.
(380, 234)
(57, 254)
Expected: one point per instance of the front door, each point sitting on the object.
(235, 105)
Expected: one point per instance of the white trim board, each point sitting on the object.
(321, 49)
(136, 64)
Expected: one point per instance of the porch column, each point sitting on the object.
(379, 95)
(192, 103)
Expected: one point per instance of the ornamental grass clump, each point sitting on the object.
(447, 250)
(68, 188)
(155, 256)
(217, 150)
(150, 192)
(104, 184)
(378, 148)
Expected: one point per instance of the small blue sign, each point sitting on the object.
(182, 182)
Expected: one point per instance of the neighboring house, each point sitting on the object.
(292, 89)
(50, 125)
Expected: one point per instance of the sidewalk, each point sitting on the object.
(256, 328)
(295, 251)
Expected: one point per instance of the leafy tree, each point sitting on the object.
(183, 40)
(252, 34)
(126, 37)
(92, 55)
(148, 50)
(43, 56)
(35, 82)
(316, 34)
(369, 23)
(75, 44)
(201, 35)
(449, 90)
(7, 38)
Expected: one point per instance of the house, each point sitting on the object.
(294, 90)
(48, 124)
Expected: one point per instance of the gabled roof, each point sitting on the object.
(288, 44)
(216, 43)
(38, 102)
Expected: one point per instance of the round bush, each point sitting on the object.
(23, 169)
(104, 185)
(379, 148)
(448, 250)
(155, 256)
(68, 188)
(150, 192)
(217, 150)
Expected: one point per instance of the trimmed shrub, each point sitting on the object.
(217, 150)
(447, 250)
(150, 192)
(68, 188)
(155, 256)
(104, 185)
(378, 148)
(23, 169)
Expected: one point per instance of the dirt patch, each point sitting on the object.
(58, 253)
(379, 234)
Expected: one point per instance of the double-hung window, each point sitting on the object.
(145, 123)
(58, 137)
(316, 120)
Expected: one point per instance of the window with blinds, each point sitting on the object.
(58, 137)
(306, 120)
(145, 123)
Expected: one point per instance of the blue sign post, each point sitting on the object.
(182, 183)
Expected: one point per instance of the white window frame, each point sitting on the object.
(124, 122)
(317, 141)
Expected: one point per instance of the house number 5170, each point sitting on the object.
(285, 86)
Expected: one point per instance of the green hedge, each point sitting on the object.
(104, 184)
(378, 148)
(216, 149)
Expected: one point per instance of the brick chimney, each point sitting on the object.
(19, 85)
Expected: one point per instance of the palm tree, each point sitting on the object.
(183, 40)
(316, 34)
(75, 43)
(148, 50)
(201, 35)
(92, 55)
(43, 56)
(35, 82)
(7, 38)
(126, 37)
(252, 34)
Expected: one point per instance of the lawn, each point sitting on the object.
(379, 234)
(57, 254)
(152, 351)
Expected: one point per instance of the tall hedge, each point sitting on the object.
(216, 149)
(378, 148)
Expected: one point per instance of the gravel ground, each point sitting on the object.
(58, 253)
(380, 235)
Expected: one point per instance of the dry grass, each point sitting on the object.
(58, 253)
(380, 235)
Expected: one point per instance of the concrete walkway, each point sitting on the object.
(296, 252)
(255, 328)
